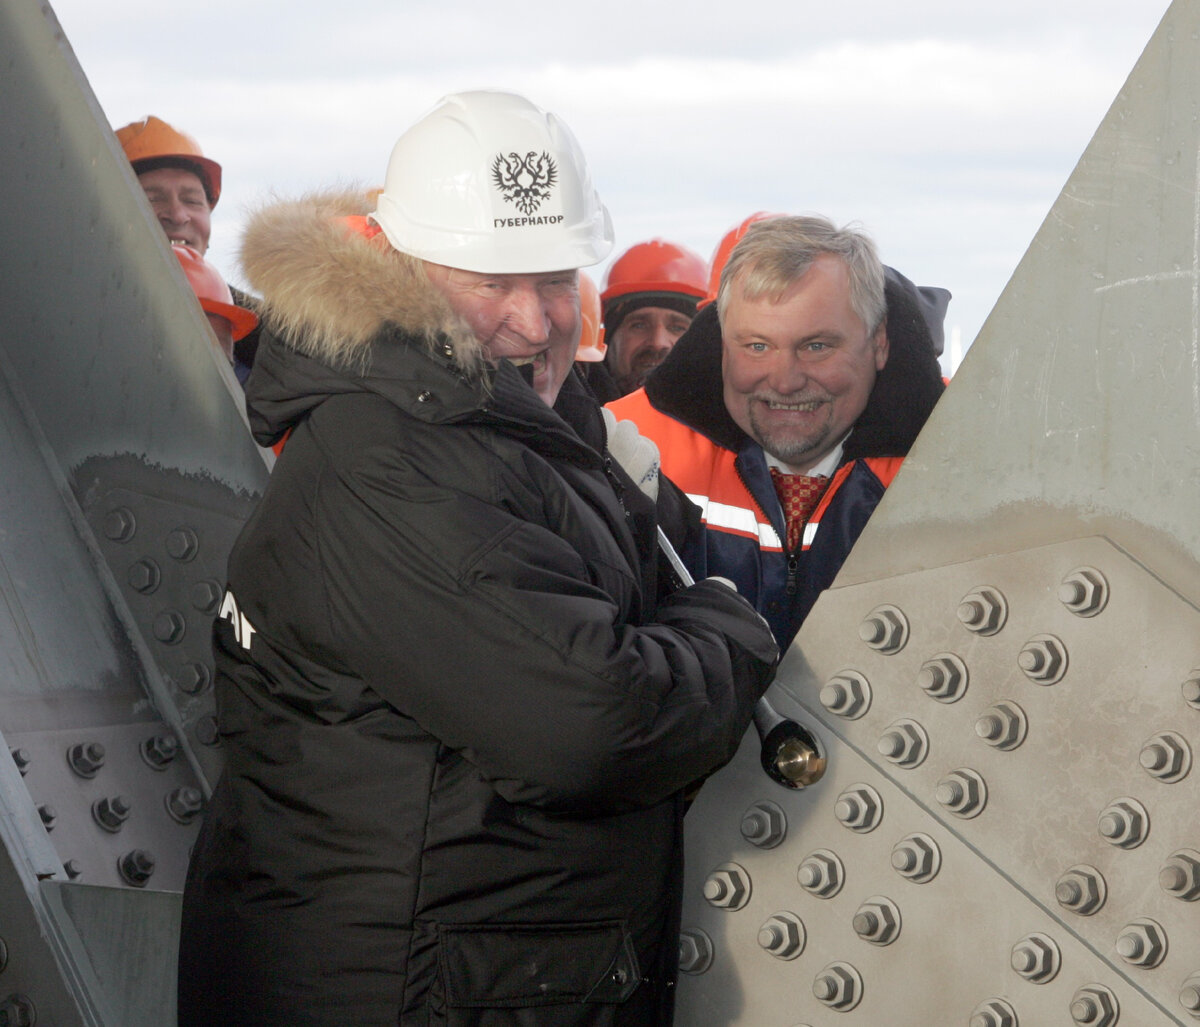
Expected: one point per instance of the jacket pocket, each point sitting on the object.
(534, 975)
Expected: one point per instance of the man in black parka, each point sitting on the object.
(458, 705)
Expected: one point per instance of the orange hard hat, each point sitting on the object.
(725, 247)
(152, 139)
(213, 293)
(656, 266)
(592, 346)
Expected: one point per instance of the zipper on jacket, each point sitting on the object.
(793, 556)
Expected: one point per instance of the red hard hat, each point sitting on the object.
(656, 266)
(213, 293)
(152, 139)
(725, 247)
(591, 342)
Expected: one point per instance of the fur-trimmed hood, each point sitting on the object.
(328, 289)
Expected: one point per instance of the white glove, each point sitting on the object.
(633, 451)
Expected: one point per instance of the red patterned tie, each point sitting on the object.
(799, 495)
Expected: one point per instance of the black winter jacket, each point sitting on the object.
(457, 724)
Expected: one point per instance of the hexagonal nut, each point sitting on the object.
(1084, 591)
(86, 758)
(159, 751)
(838, 986)
(111, 812)
(917, 858)
(184, 804)
(727, 887)
(1180, 875)
(182, 544)
(136, 867)
(1043, 659)
(144, 576)
(962, 792)
(1036, 957)
(119, 524)
(193, 678)
(884, 629)
(170, 627)
(783, 935)
(859, 808)
(821, 873)
(877, 920)
(1003, 726)
(1142, 943)
(1124, 823)
(1094, 1005)
(764, 824)
(904, 743)
(1167, 757)
(1189, 996)
(847, 694)
(1081, 890)
(983, 611)
(943, 677)
(695, 951)
(995, 1012)
(206, 596)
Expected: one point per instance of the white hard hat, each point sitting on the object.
(489, 182)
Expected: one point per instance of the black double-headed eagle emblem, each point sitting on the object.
(524, 181)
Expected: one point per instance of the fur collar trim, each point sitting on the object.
(328, 290)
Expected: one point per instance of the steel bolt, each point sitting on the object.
(838, 986)
(1142, 943)
(111, 813)
(847, 694)
(905, 744)
(207, 732)
(73, 869)
(983, 611)
(48, 815)
(995, 1012)
(1095, 1006)
(185, 804)
(22, 759)
(764, 824)
(1036, 957)
(1044, 660)
(136, 867)
(1081, 890)
(1189, 995)
(695, 951)
(783, 935)
(169, 627)
(194, 678)
(821, 874)
(1167, 757)
(727, 887)
(1125, 823)
(119, 524)
(1084, 592)
(182, 544)
(18, 1010)
(86, 759)
(159, 751)
(1180, 875)
(859, 808)
(1190, 690)
(962, 792)
(944, 678)
(144, 576)
(917, 858)
(877, 920)
(884, 629)
(1002, 726)
(206, 596)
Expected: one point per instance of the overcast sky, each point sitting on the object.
(945, 128)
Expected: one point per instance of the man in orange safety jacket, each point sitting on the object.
(785, 410)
